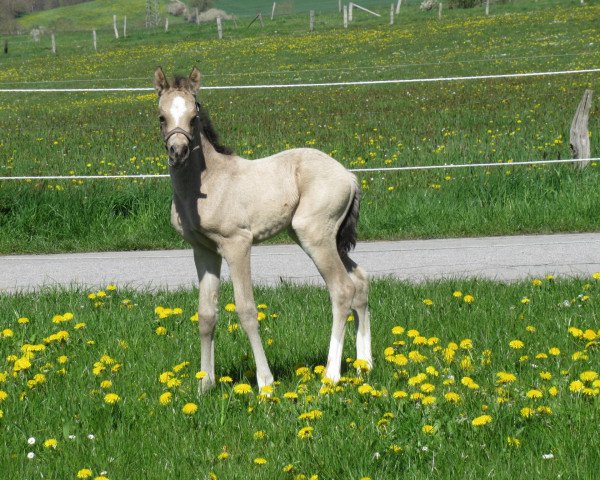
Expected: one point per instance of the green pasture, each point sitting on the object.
(472, 379)
(437, 123)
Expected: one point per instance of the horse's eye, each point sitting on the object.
(162, 119)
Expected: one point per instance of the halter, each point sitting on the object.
(189, 136)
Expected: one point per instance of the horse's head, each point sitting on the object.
(178, 113)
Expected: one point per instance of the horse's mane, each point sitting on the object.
(209, 132)
(206, 127)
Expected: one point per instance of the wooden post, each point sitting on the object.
(311, 21)
(219, 28)
(5, 46)
(125, 26)
(398, 6)
(261, 20)
(273, 10)
(166, 24)
(392, 14)
(350, 5)
(94, 40)
(340, 6)
(197, 17)
(487, 7)
(115, 27)
(345, 16)
(53, 43)
(440, 11)
(580, 138)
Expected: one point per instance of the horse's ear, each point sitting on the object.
(160, 81)
(195, 80)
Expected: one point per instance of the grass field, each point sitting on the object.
(362, 126)
(471, 379)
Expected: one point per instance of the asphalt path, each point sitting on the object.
(508, 259)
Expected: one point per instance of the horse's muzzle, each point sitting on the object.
(178, 154)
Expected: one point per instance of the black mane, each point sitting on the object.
(209, 132)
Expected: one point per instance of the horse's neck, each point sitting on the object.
(187, 180)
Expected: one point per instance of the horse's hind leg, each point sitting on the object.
(322, 248)
(361, 309)
(208, 266)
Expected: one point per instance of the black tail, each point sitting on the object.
(346, 236)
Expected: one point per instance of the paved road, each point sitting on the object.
(499, 258)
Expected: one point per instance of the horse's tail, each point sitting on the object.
(346, 236)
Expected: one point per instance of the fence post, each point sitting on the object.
(340, 6)
(440, 11)
(166, 24)
(273, 10)
(125, 26)
(115, 27)
(398, 6)
(487, 7)
(580, 139)
(392, 14)
(219, 28)
(94, 40)
(5, 46)
(53, 43)
(197, 17)
(345, 16)
(261, 20)
(350, 5)
(311, 22)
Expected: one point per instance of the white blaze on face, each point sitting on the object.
(177, 109)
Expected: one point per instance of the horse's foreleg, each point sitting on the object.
(238, 258)
(208, 266)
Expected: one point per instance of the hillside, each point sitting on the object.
(98, 14)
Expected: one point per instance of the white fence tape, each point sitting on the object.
(358, 170)
(311, 85)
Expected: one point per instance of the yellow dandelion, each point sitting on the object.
(242, 389)
(84, 473)
(588, 376)
(230, 307)
(513, 442)
(527, 412)
(305, 432)
(111, 398)
(457, 294)
(534, 393)
(576, 386)
(225, 379)
(224, 455)
(160, 330)
(165, 398)
(189, 408)
(428, 302)
(481, 420)
(516, 344)
(429, 429)
(452, 397)
(468, 299)
(260, 461)
(397, 330)
(50, 443)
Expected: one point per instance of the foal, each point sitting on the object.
(223, 204)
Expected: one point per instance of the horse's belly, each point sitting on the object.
(270, 222)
